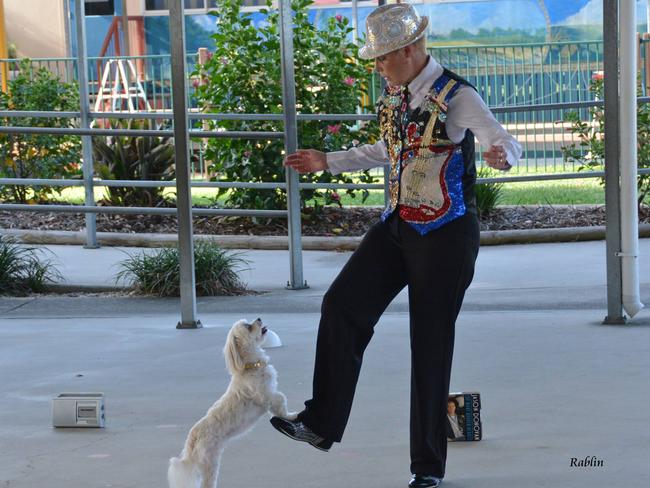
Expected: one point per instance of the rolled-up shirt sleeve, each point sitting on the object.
(357, 158)
(467, 110)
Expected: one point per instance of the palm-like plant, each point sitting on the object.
(134, 158)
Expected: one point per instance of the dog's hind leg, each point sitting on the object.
(278, 406)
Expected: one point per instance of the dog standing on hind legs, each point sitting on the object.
(251, 393)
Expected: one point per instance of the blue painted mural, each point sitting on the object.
(464, 22)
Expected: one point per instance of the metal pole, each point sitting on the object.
(355, 20)
(628, 59)
(296, 281)
(386, 169)
(67, 19)
(84, 120)
(125, 30)
(181, 144)
(4, 49)
(612, 161)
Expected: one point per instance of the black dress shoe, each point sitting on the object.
(424, 481)
(300, 432)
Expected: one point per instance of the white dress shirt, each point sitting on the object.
(466, 110)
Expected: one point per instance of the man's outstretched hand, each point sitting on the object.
(306, 161)
(496, 158)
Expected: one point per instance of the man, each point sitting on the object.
(427, 239)
(455, 428)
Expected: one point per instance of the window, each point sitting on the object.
(164, 5)
(100, 7)
(155, 5)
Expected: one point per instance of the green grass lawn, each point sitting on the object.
(564, 192)
(583, 191)
(588, 190)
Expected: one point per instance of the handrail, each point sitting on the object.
(527, 44)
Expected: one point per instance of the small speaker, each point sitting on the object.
(78, 410)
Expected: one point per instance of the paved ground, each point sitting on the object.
(555, 383)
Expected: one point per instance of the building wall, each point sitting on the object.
(36, 27)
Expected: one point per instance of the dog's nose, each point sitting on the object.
(259, 320)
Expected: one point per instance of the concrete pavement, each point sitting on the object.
(555, 383)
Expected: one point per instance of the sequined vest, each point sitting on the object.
(431, 178)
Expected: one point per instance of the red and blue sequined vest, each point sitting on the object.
(432, 178)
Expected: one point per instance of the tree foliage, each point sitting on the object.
(41, 156)
(244, 76)
(589, 152)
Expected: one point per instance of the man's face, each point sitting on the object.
(451, 408)
(392, 67)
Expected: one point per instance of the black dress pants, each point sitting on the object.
(437, 267)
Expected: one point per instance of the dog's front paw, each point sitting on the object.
(291, 416)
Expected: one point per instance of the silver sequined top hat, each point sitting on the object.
(392, 27)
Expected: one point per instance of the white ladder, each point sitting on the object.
(116, 88)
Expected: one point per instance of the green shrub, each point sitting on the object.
(22, 269)
(488, 195)
(244, 76)
(590, 150)
(134, 158)
(38, 155)
(158, 273)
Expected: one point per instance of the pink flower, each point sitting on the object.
(335, 196)
(349, 80)
(248, 154)
(209, 55)
(196, 83)
(339, 17)
(355, 142)
(598, 75)
(334, 129)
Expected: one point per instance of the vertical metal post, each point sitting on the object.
(86, 141)
(4, 49)
(181, 145)
(67, 18)
(125, 29)
(355, 20)
(628, 67)
(612, 163)
(296, 281)
(382, 85)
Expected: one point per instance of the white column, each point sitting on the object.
(628, 112)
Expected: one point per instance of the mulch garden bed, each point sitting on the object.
(349, 221)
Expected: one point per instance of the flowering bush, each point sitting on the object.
(244, 76)
(42, 156)
(590, 151)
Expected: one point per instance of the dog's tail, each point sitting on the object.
(182, 473)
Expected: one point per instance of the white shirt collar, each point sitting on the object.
(425, 78)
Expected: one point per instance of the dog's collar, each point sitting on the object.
(256, 365)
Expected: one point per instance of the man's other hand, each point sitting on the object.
(306, 161)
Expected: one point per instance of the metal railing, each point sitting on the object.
(539, 126)
(507, 75)
(504, 74)
(240, 134)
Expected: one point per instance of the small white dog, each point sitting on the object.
(251, 393)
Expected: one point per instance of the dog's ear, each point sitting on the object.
(234, 360)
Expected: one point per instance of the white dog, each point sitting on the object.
(251, 393)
